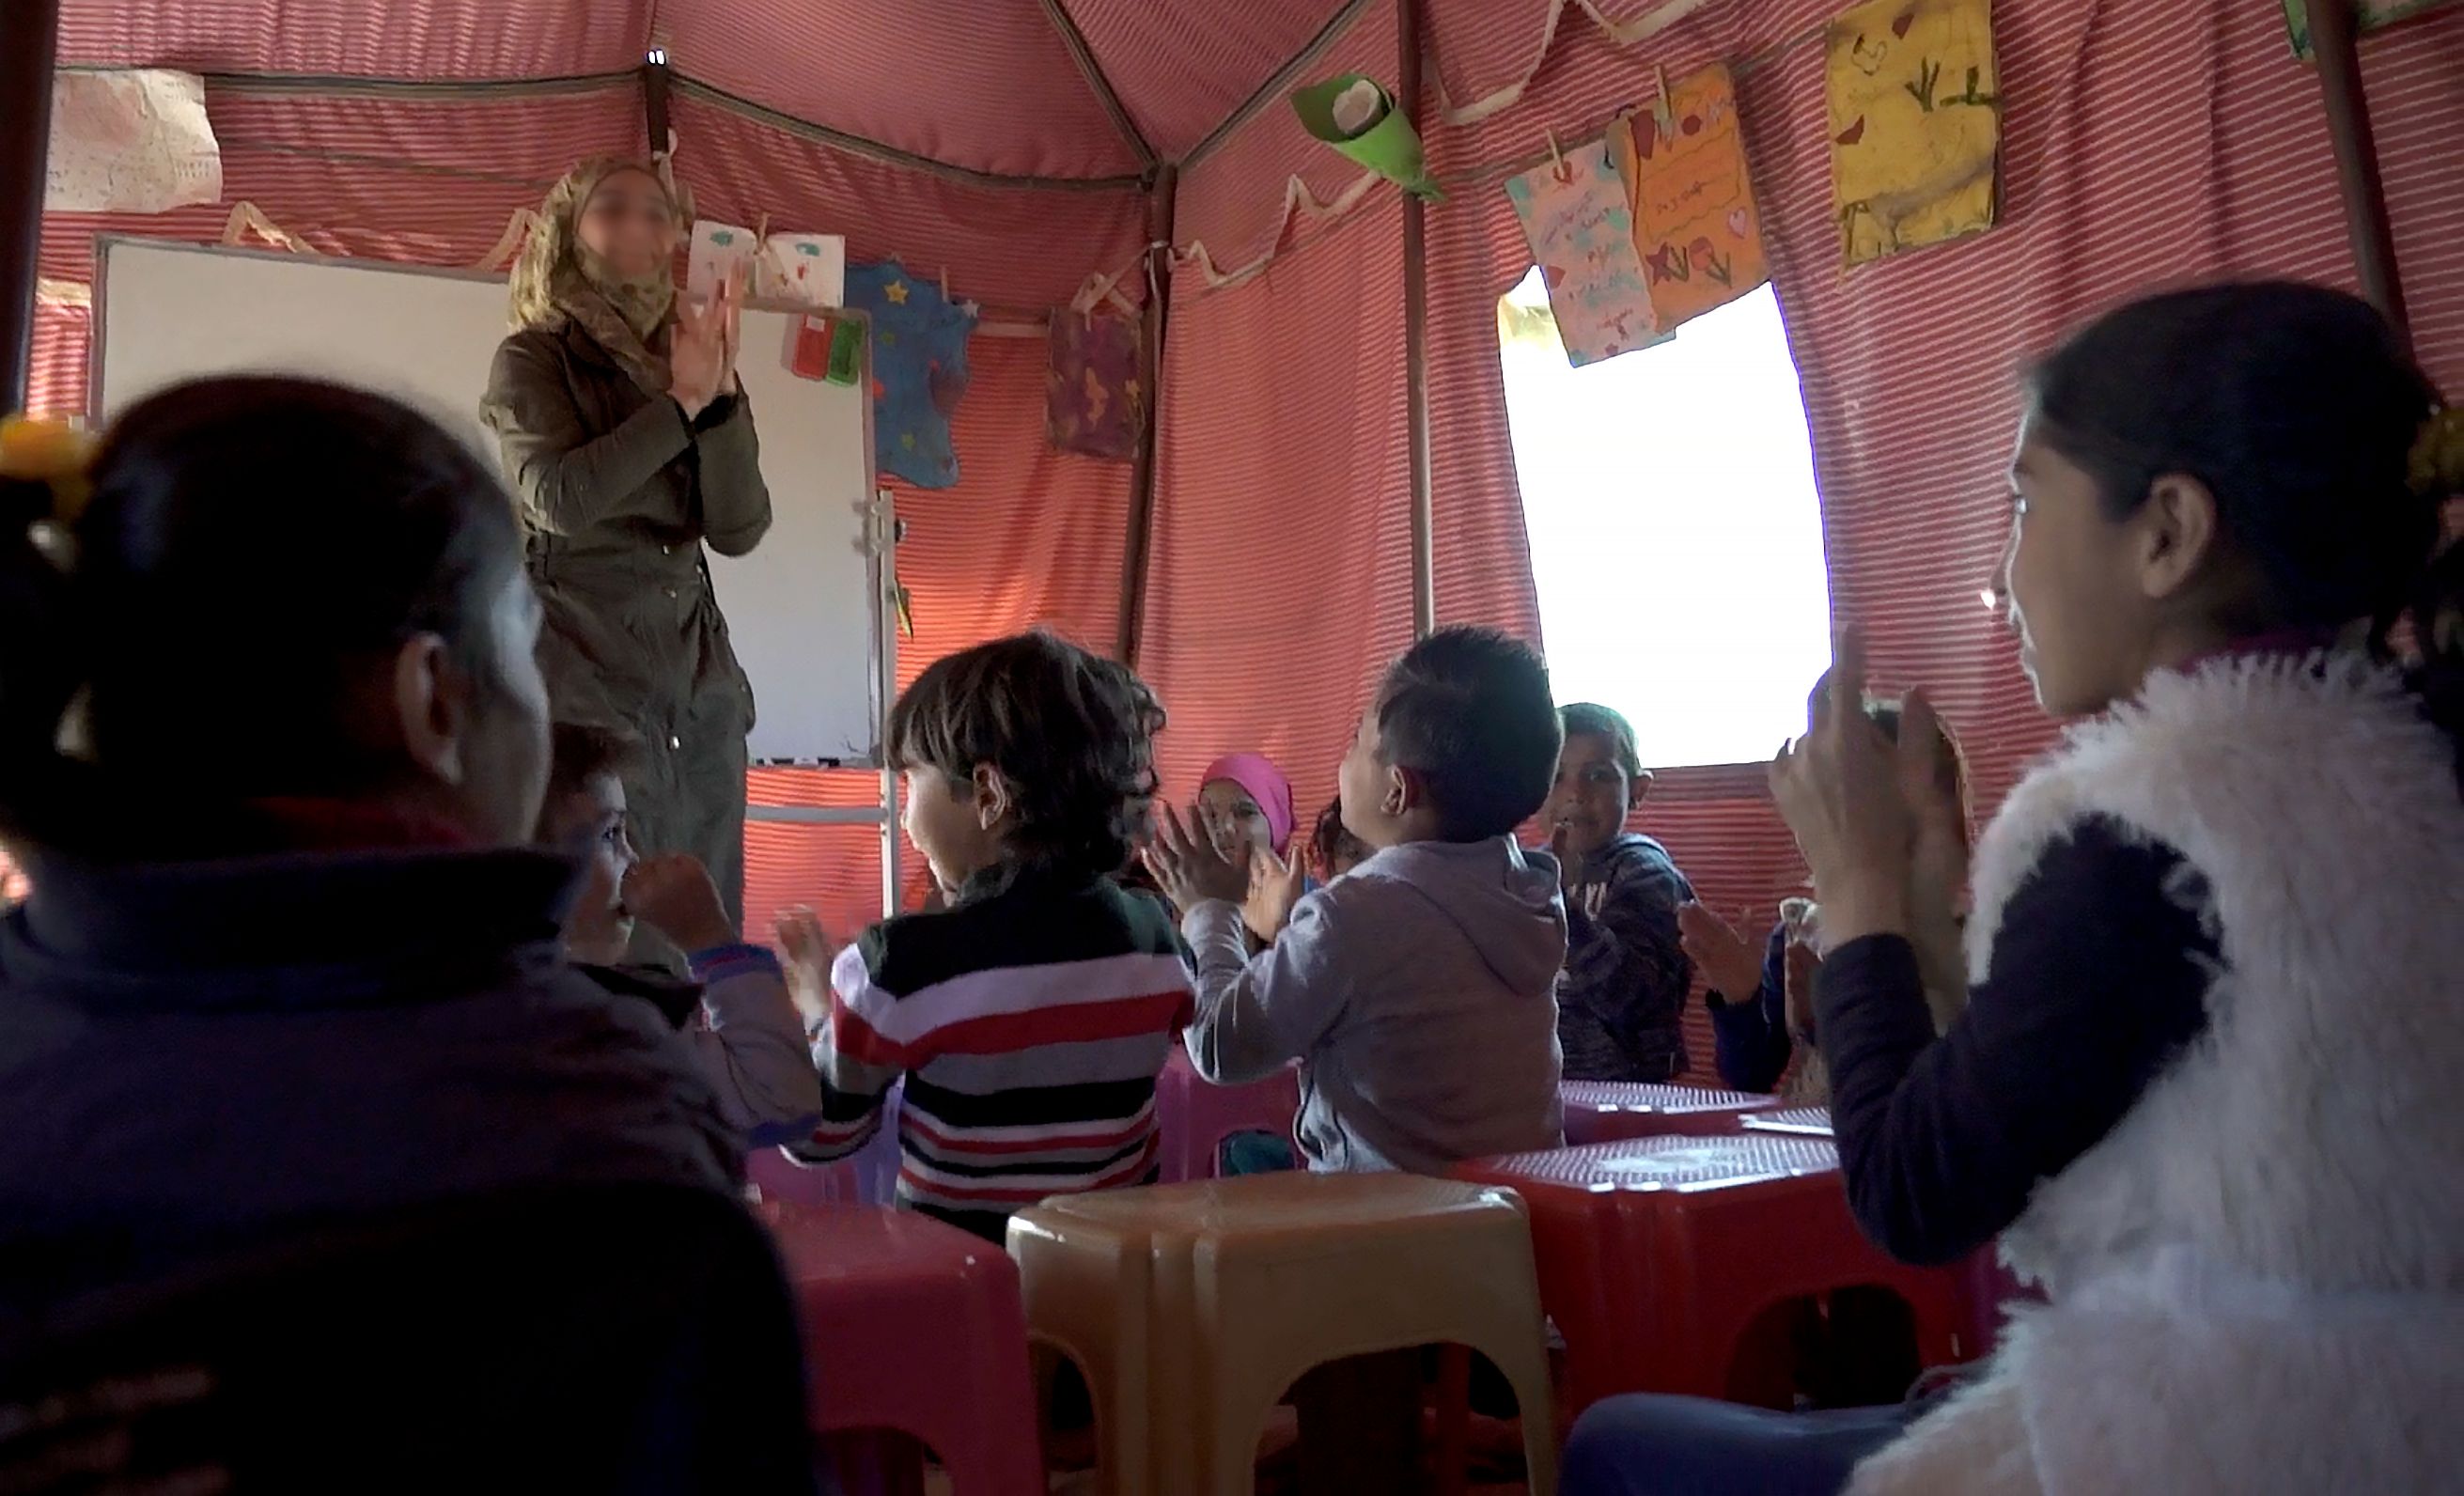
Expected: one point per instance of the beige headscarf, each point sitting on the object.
(559, 280)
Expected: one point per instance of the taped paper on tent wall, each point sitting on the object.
(810, 268)
(130, 141)
(1574, 215)
(1916, 123)
(718, 251)
(1695, 224)
(2370, 14)
(1358, 117)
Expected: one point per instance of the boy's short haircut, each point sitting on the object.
(580, 752)
(1469, 710)
(1591, 719)
(1071, 732)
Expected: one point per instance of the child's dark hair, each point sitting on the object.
(1590, 719)
(1332, 842)
(580, 752)
(248, 547)
(2299, 409)
(1071, 732)
(1469, 710)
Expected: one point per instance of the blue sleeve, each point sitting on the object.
(2099, 977)
(1751, 1039)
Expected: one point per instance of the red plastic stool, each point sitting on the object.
(1658, 1254)
(1986, 1287)
(1605, 1112)
(916, 1326)
(1194, 1115)
(1790, 1121)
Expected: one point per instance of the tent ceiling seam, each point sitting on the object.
(338, 84)
(1074, 41)
(1276, 82)
(859, 146)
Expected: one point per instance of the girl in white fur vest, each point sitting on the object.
(2206, 1086)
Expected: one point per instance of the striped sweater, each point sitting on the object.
(1029, 1018)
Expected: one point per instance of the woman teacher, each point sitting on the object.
(630, 445)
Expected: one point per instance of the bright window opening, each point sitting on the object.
(1676, 538)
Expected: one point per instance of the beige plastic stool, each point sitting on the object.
(1191, 1307)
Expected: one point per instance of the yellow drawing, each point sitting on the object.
(1916, 123)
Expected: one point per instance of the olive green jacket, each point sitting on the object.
(618, 493)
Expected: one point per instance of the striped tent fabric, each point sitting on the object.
(2146, 141)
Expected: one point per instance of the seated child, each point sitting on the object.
(1761, 999)
(1622, 994)
(1335, 851)
(1242, 797)
(1031, 1016)
(744, 1033)
(1416, 991)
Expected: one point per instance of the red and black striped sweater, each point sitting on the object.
(1029, 1018)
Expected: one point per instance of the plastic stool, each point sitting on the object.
(1191, 1307)
(1657, 1254)
(914, 1326)
(1195, 1115)
(1789, 1121)
(1603, 1111)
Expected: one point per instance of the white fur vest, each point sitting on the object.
(2257, 1277)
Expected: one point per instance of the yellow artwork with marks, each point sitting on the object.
(1916, 123)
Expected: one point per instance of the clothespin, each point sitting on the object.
(945, 286)
(1663, 114)
(1557, 160)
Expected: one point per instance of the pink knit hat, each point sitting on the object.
(1265, 784)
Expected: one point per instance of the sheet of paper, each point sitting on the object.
(810, 268)
(1916, 123)
(717, 249)
(1575, 214)
(1695, 224)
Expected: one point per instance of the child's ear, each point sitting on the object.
(1403, 791)
(1639, 786)
(992, 796)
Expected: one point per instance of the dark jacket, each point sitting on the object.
(618, 493)
(1751, 1044)
(190, 1054)
(1623, 989)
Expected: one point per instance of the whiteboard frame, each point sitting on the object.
(880, 530)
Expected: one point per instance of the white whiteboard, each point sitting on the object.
(803, 609)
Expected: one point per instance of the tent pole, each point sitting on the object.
(2336, 51)
(1142, 471)
(654, 98)
(25, 143)
(1416, 344)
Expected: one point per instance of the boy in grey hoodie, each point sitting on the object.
(1417, 989)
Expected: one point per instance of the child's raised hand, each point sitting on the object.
(1729, 962)
(1189, 866)
(1275, 884)
(809, 951)
(673, 894)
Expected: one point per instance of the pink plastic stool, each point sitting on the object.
(916, 1326)
(1195, 1115)
(1607, 1112)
